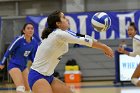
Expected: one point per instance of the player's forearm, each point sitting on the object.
(126, 52)
(29, 64)
(99, 45)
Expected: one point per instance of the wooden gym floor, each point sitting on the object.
(86, 87)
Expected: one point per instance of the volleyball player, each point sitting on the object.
(56, 39)
(22, 49)
(136, 51)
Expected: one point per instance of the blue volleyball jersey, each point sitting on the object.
(21, 51)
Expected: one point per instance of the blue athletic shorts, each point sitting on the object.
(12, 65)
(34, 76)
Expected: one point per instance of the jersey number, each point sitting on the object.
(26, 53)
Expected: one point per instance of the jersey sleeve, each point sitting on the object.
(11, 48)
(74, 39)
(134, 53)
(136, 49)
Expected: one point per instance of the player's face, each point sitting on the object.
(29, 30)
(64, 24)
(131, 31)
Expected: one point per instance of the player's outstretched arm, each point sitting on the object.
(106, 49)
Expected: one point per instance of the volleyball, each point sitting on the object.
(101, 21)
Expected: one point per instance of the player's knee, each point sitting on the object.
(134, 76)
(20, 88)
(135, 81)
(28, 91)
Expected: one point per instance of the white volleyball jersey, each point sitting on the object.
(53, 47)
(136, 46)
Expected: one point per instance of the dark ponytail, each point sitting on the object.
(133, 25)
(51, 21)
(22, 32)
(46, 32)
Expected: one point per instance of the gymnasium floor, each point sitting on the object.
(86, 87)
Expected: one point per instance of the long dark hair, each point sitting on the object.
(51, 22)
(133, 25)
(24, 26)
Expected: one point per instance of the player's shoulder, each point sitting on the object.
(19, 38)
(137, 37)
(60, 32)
(34, 40)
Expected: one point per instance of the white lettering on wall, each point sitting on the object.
(122, 25)
(82, 20)
(72, 22)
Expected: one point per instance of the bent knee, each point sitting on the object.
(27, 88)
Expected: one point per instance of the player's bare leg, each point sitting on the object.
(25, 78)
(60, 87)
(41, 86)
(18, 81)
(135, 76)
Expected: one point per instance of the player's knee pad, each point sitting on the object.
(135, 81)
(28, 91)
(20, 88)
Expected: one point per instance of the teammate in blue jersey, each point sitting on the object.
(136, 51)
(55, 43)
(21, 50)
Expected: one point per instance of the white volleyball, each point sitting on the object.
(101, 21)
